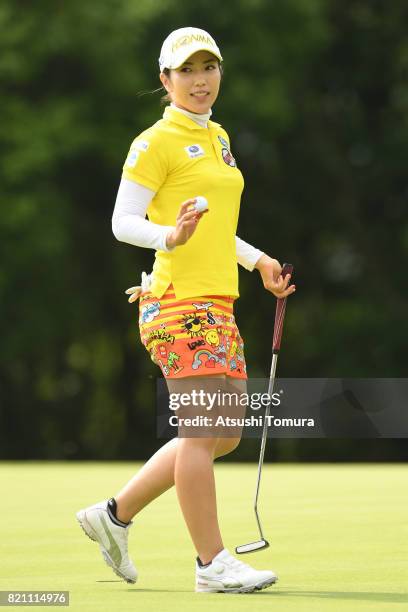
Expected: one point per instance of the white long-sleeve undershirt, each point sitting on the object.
(129, 223)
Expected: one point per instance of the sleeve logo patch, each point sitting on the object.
(194, 151)
(140, 145)
(223, 142)
(132, 158)
(228, 158)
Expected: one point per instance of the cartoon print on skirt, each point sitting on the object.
(192, 336)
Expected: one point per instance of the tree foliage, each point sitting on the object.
(314, 97)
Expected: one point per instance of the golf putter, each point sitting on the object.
(277, 336)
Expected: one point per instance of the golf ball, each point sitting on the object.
(201, 204)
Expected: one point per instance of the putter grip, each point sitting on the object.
(280, 313)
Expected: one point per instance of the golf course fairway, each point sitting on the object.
(338, 537)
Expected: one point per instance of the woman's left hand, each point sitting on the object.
(270, 271)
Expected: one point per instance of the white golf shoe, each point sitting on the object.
(112, 539)
(226, 574)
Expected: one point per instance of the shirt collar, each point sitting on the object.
(172, 114)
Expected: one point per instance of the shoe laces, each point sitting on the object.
(236, 564)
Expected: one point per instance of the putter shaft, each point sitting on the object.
(264, 436)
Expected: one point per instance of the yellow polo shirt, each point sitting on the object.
(178, 159)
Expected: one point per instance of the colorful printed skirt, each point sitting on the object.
(193, 336)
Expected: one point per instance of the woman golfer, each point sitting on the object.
(181, 172)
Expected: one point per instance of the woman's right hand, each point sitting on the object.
(186, 223)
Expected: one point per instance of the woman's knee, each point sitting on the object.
(212, 445)
(225, 446)
(206, 444)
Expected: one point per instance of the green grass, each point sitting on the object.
(338, 537)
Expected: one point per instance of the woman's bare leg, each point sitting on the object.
(195, 482)
(153, 479)
(157, 476)
(173, 463)
(195, 485)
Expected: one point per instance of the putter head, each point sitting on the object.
(251, 547)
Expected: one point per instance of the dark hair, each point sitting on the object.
(166, 98)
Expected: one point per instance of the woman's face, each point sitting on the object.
(195, 85)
